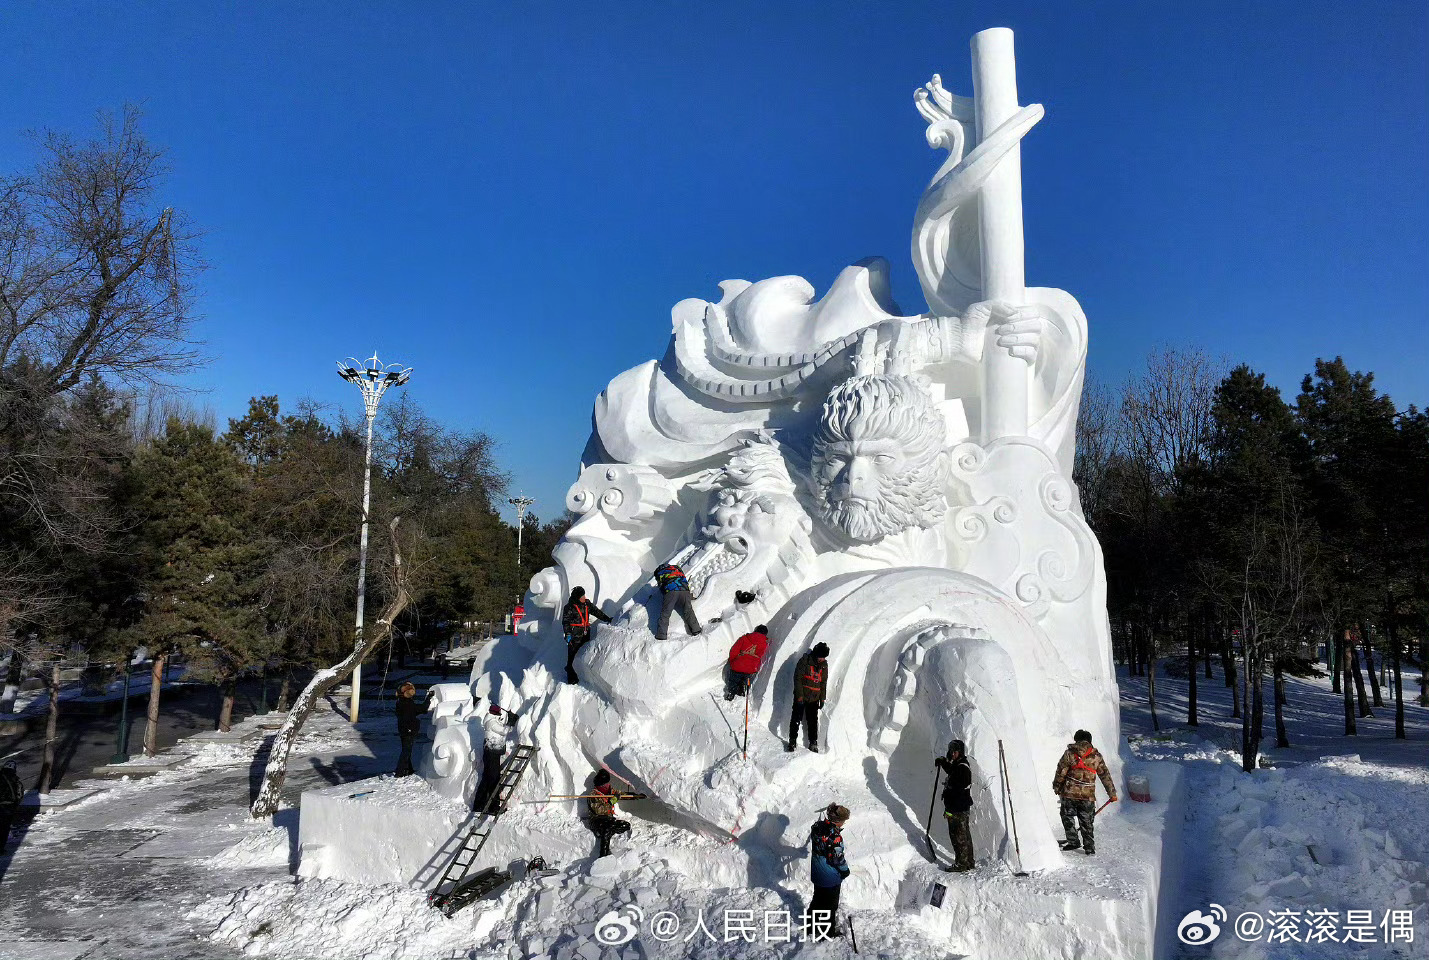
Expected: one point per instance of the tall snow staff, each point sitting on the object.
(1004, 412)
(967, 235)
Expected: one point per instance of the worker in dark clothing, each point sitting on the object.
(601, 806)
(1076, 783)
(575, 621)
(958, 804)
(811, 678)
(409, 724)
(12, 791)
(675, 595)
(828, 868)
(745, 658)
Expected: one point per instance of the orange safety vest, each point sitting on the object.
(1079, 765)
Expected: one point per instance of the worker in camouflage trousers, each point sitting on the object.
(958, 804)
(1076, 783)
(811, 686)
(674, 597)
(601, 806)
(828, 868)
(575, 621)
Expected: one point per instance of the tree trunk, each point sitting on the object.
(1210, 632)
(225, 710)
(1335, 652)
(156, 685)
(271, 792)
(1282, 739)
(47, 766)
(1228, 662)
(1247, 760)
(1345, 685)
(285, 690)
(1353, 657)
(1191, 666)
(1369, 663)
(1151, 677)
(1257, 723)
(1394, 653)
(12, 681)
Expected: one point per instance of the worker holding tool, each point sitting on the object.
(600, 803)
(1076, 783)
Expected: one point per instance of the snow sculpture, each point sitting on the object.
(448, 766)
(898, 487)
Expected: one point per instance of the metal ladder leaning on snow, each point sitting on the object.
(454, 890)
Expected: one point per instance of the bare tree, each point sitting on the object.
(95, 278)
(265, 804)
(1164, 425)
(1271, 590)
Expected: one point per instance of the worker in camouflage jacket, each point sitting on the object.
(1076, 783)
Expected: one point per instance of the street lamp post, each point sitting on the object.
(373, 379)
(521, 504)
(121, 748)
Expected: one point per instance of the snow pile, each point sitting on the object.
(555, 916)
(267, 848)
(299, 920)
(219, 755)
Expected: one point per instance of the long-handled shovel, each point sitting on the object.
(1104, 806)
(932, 805)
(1011, 808)
(744, 751)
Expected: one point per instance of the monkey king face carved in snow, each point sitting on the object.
(878, 465)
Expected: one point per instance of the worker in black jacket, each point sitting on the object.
(409, 724)
(575, 621)
(958, 804)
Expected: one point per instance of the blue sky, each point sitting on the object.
(511, 196)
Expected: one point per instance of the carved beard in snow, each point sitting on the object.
(878, 461)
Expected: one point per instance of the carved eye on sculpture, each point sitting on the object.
(883, 458)
(764, 504)
(738, 544)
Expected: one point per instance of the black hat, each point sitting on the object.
(761, 629)
(820, 650)
(602, 777)
(956, 746)
(577, 592)
(1082, 736)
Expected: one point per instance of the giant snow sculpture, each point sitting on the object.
(898, 487)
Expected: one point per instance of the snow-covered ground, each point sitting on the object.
(1338, 824)
(170, 865)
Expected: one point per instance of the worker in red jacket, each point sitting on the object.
(745, 658)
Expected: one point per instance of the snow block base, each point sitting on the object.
(1102, 906)
(382, 830)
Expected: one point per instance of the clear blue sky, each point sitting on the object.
(511, 196)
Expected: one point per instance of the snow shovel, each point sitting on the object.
(932, 805)
(1007, 801)
(1104, 806)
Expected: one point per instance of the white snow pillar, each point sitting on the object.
(1004, 401)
